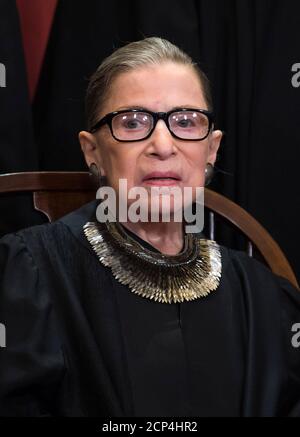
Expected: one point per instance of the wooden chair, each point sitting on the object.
(58, 193)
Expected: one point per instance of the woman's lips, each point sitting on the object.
(159, 178)
(161, 182)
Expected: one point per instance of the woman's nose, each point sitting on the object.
(161, 143)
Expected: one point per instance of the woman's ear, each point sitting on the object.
(91, 150)
(88, 146)
(214, 144)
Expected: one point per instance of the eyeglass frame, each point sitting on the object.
(156, 116)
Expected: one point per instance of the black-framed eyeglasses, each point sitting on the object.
(138, 124)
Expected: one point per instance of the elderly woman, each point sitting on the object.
(139, 317)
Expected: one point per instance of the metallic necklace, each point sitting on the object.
(191, 274)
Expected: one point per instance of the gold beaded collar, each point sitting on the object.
(191, 274)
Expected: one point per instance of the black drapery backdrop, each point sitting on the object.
(247, 48)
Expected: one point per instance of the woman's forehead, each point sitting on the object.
(158, 87)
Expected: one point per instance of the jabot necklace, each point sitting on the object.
(189, 275)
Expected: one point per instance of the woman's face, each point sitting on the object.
(159, 89)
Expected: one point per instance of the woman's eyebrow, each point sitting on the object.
(123, 108)
(186, 107)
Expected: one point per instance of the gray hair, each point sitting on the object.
(149, 51)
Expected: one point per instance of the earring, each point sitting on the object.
(95, 171)
(209, 173)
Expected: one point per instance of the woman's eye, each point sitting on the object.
(186, 123)
(132, 124)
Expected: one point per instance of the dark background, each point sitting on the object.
(246, 47)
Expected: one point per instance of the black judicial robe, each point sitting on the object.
(78, 343)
